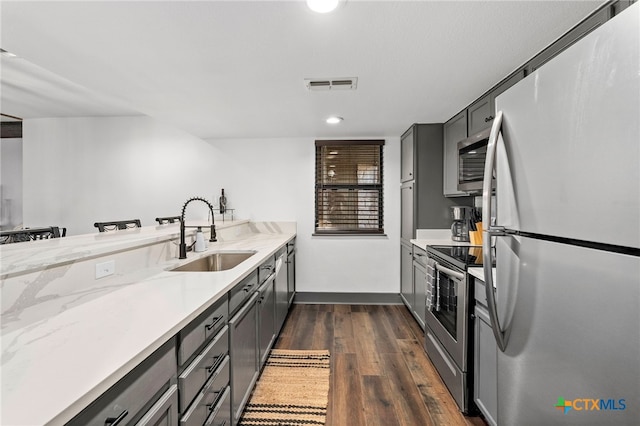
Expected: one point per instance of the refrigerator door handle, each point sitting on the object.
(487, 261)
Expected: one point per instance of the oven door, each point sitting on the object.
(448, 316)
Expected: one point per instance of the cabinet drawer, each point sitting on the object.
(164, 412)
(194, 377)
(221, 414)
(205, 401)
(242, 291)
(267, 268)
(137, 391)
(420, 256)
(193, 336)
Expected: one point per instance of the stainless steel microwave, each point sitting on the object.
(472, 153)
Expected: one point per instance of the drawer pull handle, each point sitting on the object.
(217, 361)
(246, 288)
(212, 407)
(488, 119)
(215, 321)
(113, 421)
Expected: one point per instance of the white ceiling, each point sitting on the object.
(227, 69)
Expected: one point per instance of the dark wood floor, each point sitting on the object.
(380, 373)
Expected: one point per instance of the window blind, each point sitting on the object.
(349, 197)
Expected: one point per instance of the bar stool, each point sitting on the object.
(112, 226)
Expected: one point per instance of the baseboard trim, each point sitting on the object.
(319, 298)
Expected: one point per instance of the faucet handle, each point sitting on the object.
(213, 238)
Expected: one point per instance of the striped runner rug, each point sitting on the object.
(292, 390)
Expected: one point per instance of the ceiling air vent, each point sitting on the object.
(349, 83)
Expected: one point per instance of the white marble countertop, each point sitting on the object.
(53, 368)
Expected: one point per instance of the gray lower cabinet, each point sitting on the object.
(419, 284)
(413, 280)
(266, 318)
(243, 349)
(485, 383)
(145, 396)
(406, 274)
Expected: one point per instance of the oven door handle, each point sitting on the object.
(451, 272)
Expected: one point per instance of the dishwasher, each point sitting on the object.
(282, 289)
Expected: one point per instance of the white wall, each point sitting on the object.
(273, 179)
(11, 183)
(81, 170)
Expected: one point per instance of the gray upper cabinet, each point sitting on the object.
(480, 115)
(454, 131)
(406, 147)
(575, 34)
(482, 112)
(422, 204)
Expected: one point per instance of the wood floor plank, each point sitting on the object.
(385, 340)
(323, 331)
(378, 400)
(346, 399)
(408, 403)
(302, 337)
(344, 341)
(366, 350)
(440, 404)
(397, 322)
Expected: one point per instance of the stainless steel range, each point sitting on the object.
(448, 334)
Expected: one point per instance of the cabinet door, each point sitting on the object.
(420, 292)
(480, 115)
(406, 275)
(406, 148)
(454, 131)
(486, 367)
(243, 350)
(407, 225)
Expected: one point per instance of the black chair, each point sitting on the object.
(168, 219)
(31, 234)
(122, 224)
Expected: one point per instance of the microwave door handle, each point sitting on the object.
(491, 231)
(450, 272)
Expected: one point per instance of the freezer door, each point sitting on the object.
(572, 318)
(571, 138)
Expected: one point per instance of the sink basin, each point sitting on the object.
(215, 262)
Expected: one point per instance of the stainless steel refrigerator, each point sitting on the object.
(565, 153)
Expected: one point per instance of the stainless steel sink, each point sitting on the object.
(215, 262)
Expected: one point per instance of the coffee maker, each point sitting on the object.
(460, 226)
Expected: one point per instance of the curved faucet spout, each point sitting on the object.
(183, 245)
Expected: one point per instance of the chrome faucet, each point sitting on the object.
(183, 245)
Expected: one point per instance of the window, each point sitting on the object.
(349, 187)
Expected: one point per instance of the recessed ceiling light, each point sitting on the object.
(322, 6)
(334, 120)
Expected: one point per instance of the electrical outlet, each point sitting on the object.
(105, 269)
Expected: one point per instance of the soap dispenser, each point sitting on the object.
(200, 244)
